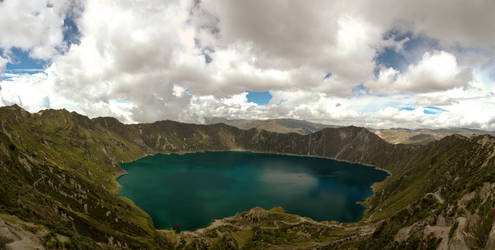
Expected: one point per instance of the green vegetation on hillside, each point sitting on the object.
(57, 170)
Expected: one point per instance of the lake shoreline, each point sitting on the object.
(298, 158)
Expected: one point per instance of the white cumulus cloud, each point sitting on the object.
(437, 70)
(143, 61)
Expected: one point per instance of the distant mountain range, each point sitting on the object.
(393, 135)
(274, 125)
(58, 188)
(407, 136)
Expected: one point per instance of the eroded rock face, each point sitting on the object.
(490, 244)
(16, 235)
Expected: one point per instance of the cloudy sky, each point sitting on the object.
(381, 63)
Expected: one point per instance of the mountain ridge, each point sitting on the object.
(391, 135)
(75, 160)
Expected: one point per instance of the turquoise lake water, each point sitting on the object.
(194, 189)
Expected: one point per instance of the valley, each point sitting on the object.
(58, 172)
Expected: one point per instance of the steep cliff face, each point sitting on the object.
(346, 143)
(57, 170)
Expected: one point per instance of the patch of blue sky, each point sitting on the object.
(407, 108)
(418, 45)
(412, 50)
(390, 58)
(432, 110)
(71, 32)
(22, 63)
(259, 97)
(436, 108)
(7, 76)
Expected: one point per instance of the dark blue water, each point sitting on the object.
(194, 189)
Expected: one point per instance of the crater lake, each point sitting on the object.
(193, 189)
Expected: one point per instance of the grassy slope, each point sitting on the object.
(73, 160)
(56, 170)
